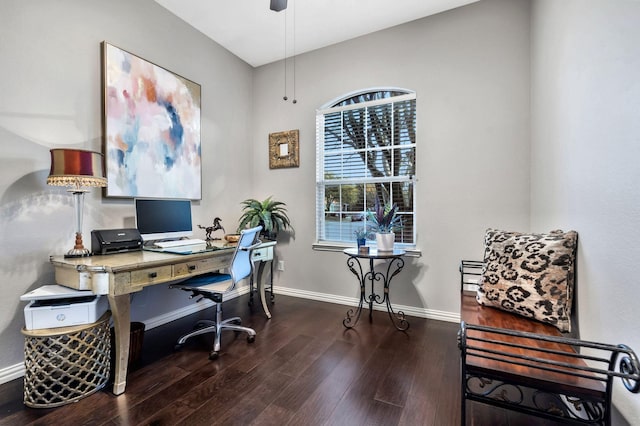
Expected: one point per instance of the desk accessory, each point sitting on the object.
(232, 238)
(107, 241)
(77, 169)
(211, 229)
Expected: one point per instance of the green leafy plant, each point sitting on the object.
(383, 217)
(271, 214)
(363, 233)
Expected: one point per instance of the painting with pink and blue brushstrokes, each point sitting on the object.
(152, 129)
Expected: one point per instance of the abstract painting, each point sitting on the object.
(151, 129)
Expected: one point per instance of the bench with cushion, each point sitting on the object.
(531, 364)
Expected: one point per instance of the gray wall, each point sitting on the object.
(470, 70)
(51, 97)
(586, 148)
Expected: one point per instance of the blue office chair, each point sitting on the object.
(213, 285)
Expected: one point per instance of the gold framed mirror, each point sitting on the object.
(283, 149)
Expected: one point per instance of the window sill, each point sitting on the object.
(339, 247)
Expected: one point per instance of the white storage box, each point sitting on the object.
(53, 306)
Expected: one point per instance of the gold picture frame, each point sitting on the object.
(283, 149)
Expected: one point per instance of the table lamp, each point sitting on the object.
(77, 169)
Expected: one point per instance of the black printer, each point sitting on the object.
(107, 241)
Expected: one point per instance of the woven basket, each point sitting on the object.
(66, 364)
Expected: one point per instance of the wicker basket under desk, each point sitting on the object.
(66, 364)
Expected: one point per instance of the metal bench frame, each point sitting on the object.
(564, 379)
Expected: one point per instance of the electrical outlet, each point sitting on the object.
(280, 265)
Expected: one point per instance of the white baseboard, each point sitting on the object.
(11, 373)
(16, 371)
(352, 301)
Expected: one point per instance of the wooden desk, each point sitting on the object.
(119, 275)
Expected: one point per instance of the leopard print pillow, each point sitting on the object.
(530, 274)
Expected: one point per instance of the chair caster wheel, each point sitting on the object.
(251, 339)
(177, 347)
(213, 356)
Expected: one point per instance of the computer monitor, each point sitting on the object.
(161, 219)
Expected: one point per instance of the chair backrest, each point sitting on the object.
(241, 264)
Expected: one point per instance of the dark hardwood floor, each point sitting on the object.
(304, 368)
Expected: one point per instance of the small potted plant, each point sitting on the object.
(362, 235)
(385, 222)
(271, 214)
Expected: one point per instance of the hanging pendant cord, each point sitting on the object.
(294, 53)
(285, 97)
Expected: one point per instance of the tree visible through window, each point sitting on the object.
(365, 150)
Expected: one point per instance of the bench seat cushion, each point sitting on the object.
(530, 274)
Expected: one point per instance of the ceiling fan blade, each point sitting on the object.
(278, 5)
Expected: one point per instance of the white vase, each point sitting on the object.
(385, 241)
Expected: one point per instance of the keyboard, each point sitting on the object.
(179, 243)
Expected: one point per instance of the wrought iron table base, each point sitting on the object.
(394, 267)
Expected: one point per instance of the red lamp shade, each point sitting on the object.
(76, 168)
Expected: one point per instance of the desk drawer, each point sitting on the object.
(187, 269)
(150, 276)
(262, 254)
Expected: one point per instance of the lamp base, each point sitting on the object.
(78, 249)
(83, 252)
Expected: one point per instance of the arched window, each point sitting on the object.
(365, 149)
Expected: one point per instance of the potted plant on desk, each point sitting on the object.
(271, 214)
(385, 222)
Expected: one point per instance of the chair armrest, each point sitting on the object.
(251, 247)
